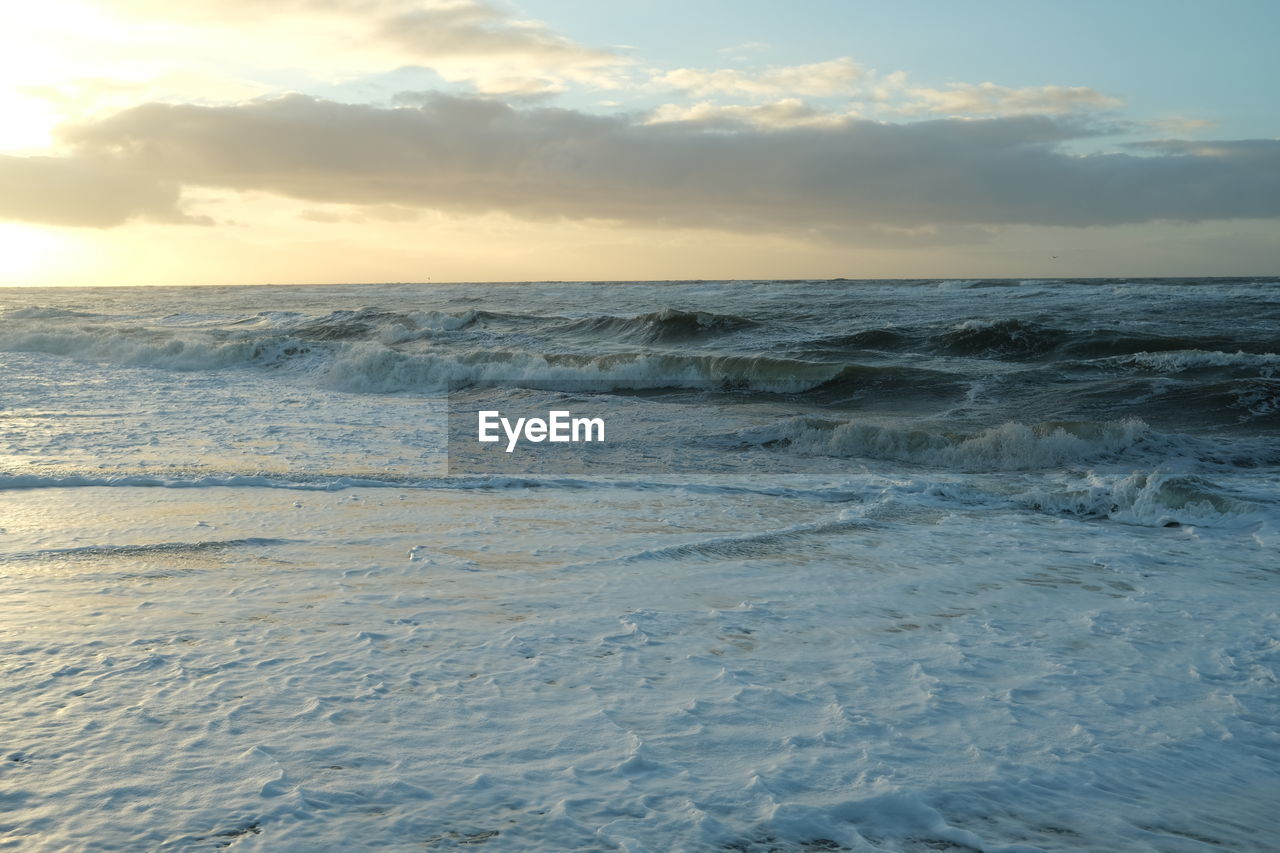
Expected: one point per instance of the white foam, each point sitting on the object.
(914, 683)
(1177, 361)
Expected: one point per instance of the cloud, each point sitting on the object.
(887, 87)
(471, 40)
(473, 29)
(88, 95)
(741, 52)
(747, 47)
(462, 40)
(1255, 151)
(467, 155)
(989, 99)
(845, 77)
(1180, 125)
(834, 77)
(786, 113)
(84, 192)
(369, 213)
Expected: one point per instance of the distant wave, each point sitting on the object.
(194, 341)
(1024, 339)
(265, 337)
(665, 325)
(138, 346)
(40, 312)
(1006, 338)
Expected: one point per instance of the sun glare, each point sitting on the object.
(27, 254)
(27, 122)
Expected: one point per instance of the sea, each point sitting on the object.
(870, 565)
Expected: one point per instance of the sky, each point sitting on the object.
(324, 141)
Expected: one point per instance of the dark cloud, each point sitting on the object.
(473, 155)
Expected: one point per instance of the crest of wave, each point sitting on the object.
(1008, 447)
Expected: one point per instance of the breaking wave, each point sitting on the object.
(1180, 361)
(146, 347)
(381, 370)
(1149, 499)
(266, 337)
(370, 323)
(1009, 447)
(370, 351)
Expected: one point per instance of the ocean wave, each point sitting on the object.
(988, 283)
(1179, 361)
(664, 326)
(162, 549)
(1006, 338)
(1009, 447)
(265, 338)
(40, 312)
(821, 493)
(1148, 498)
(866, 339)
(370, 351)
(73, 480)
(352, 325)
(363, 368)
(1258, 397)
(1221, 403)
(385, 326)
(1013, 339)
(136, 346)
(744, 545)
(953, 283)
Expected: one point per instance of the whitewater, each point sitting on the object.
(863, 565)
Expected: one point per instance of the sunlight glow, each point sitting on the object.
(27, 122)
(27, 254)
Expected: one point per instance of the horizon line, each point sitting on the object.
(539, 281)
